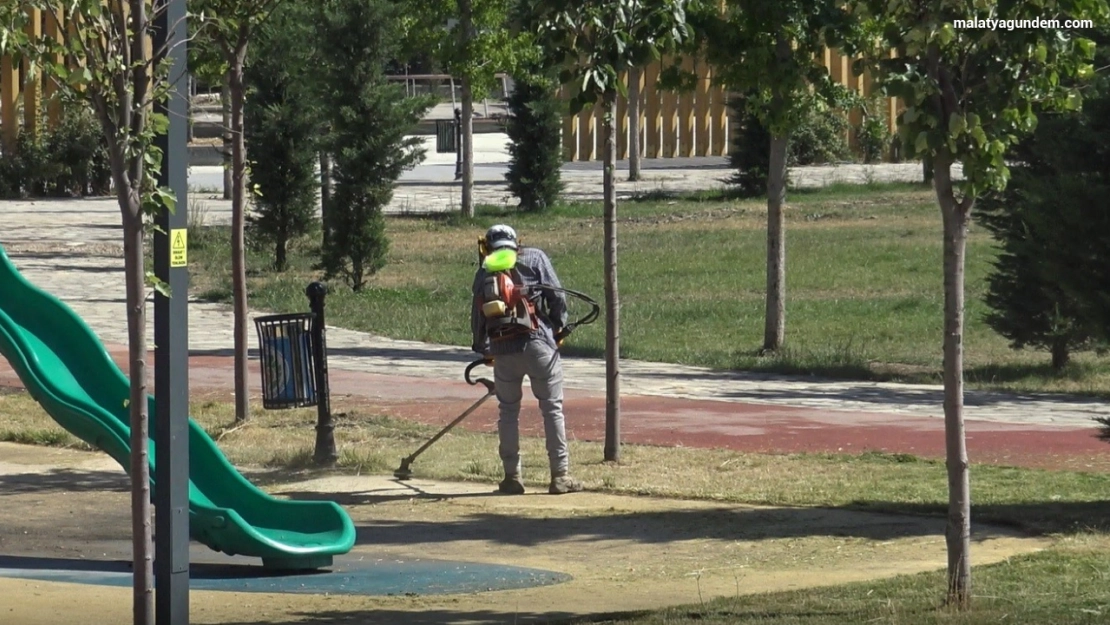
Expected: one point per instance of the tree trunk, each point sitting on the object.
(225, 106)
(467, 148)
(280, 253)
(1060, 354)
(466, 32)
(325, 196)
(958, 532)
(141, 544)
(612, 296)
(238, 237)
(190, 107)
(634, 77)
(774, 332)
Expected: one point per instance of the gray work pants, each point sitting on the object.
(541, 363)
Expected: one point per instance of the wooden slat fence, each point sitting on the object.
(689, 124)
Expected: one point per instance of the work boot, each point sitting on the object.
(511, 485)
(563, 484)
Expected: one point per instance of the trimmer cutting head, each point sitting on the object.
(404, 472)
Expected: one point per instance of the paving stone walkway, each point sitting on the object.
(431, 188)
(71, 248)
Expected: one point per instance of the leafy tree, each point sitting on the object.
(122, 79)
(595, 41)
(229, 26)
(535, 148)
(370, 118)
(765, 49)
(282, 128)
(471, 40)
(970, 94)
(1049, 209)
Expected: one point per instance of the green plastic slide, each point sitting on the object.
(67, 369)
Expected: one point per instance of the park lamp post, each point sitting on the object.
(171, 331)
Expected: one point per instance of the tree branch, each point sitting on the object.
(933, 71)
(102, 50)
(964, 205)
(241, 41)
(119, 78)
(140, 83)
(267, 8)
(119, 24)
(164, 50)
(141, 75)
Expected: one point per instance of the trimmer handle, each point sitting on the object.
(483, 381)
(563, 333)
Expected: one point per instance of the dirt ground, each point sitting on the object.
(623, 553)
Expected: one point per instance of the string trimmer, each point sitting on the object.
(404, 472)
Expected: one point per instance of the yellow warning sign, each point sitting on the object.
(179, 247)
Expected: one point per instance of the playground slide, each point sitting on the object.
(67, 369)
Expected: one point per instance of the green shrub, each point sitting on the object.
(873, 135)
(27, 171)
(77, 145)
(750, 153)
(11, 175)
(69, 160)
(821, 138)
(535, 151)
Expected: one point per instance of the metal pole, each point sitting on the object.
(171, 334)
(458, 144)
(325, 429)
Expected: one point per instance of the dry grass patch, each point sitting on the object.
(370, 444)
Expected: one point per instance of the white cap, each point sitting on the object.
(500, 236)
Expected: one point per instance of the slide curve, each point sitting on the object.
(68, 371)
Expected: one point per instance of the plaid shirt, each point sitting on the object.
(535, 269)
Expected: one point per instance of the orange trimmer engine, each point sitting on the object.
(507, 309)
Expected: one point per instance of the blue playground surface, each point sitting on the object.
(354, 574)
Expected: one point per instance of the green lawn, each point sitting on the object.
(864, 285)
(1066, 585)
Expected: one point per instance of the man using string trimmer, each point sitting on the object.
(519, 319)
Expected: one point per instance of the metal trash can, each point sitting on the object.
(286, 353)
(447, 136)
